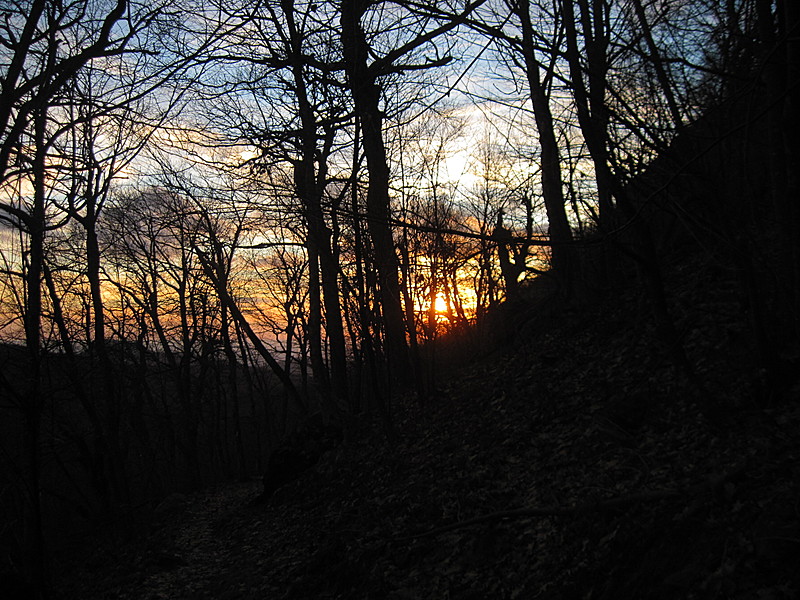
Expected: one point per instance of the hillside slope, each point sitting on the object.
(581, 421)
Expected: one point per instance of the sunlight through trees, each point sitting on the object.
(217, 218)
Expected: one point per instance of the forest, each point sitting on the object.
(259, 243)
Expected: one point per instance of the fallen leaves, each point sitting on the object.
(629, 493)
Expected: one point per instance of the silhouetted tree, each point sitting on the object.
(364, 79)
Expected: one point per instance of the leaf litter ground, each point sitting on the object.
(580, 410)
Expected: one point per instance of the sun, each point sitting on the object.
(440, 305)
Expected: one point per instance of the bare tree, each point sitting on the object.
(289, 107)
(44, 47)
(364, 81)
(564, 257)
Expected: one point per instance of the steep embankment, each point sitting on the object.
(582, 421)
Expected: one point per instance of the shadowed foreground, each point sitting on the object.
(591, 415)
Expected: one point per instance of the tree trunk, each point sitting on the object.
(114, 461)
(563, 257)
(237, 315)
(366, 95)
(35, 543)
(310, 186)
